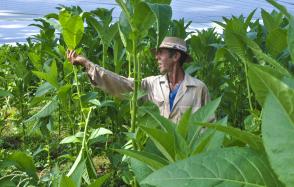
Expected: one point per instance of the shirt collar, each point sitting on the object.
(188, 80)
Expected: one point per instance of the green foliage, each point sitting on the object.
(66, 181)
(163, 14)
(100, 181)
(72, 28)
(4, 93)
(263, 83)
(154, 161)
(47, 110)
(40, 90)
(23, 163)
(277, 121)
(229, 167)
(172, 143)
(277, 130)
(290, 37)
(51, 76)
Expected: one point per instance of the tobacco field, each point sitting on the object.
(56, 129)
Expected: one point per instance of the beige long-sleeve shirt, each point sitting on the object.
(192, 92)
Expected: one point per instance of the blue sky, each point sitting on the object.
(16, 15)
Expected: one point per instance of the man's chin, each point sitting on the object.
(162, 72)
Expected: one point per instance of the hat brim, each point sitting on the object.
(188, 57)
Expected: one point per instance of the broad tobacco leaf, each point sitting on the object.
(278, 133)
(163, 14)
(221, 167)
(72, 28)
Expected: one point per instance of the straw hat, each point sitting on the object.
(175, 43)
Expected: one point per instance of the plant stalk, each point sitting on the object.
(79, 93)
(135, 93)
(248, 88)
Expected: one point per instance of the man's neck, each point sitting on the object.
(176, 76)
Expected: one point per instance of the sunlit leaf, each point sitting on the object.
(225, 167)
(72, 28)
(153, 160)
(278, 131)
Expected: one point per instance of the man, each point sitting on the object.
(173, 91)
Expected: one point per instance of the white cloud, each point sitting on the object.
(12, 26)
(211, 8)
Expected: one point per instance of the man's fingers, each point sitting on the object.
(73, 57)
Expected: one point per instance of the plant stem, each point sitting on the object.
(135, 93)
(103, 55)
(59, 120)
(79, 93)
(84, 145)
(129, 64)
(248, 88)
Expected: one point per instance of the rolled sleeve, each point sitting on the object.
(108, 81)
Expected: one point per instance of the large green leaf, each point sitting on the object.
(80, 158)
(182, 150)
(253, 140)
(99, 132)
(163, 14)
(264, 57)
(182, 127)
(72, 28)
(234, 33)
(43, 89)
(142, 19)
(291, 37)
(76, 176)
(163, 141)
(100, 181)
(221, 167)
(24, 163)
(66, 182)
(276, 41)
(154, 161)
(204, 114)
(278, 132)
(203, 141)
(70, 139)
(218, 137)
(36, 60)
(106, 32)
(118, 54)
(271, 22)
(125, 31)
(140, 170)
(51, 76)
(262, 83)
(165, 124)
(47, 110)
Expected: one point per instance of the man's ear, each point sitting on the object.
(177, 56)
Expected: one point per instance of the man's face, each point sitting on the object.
(164, 60)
